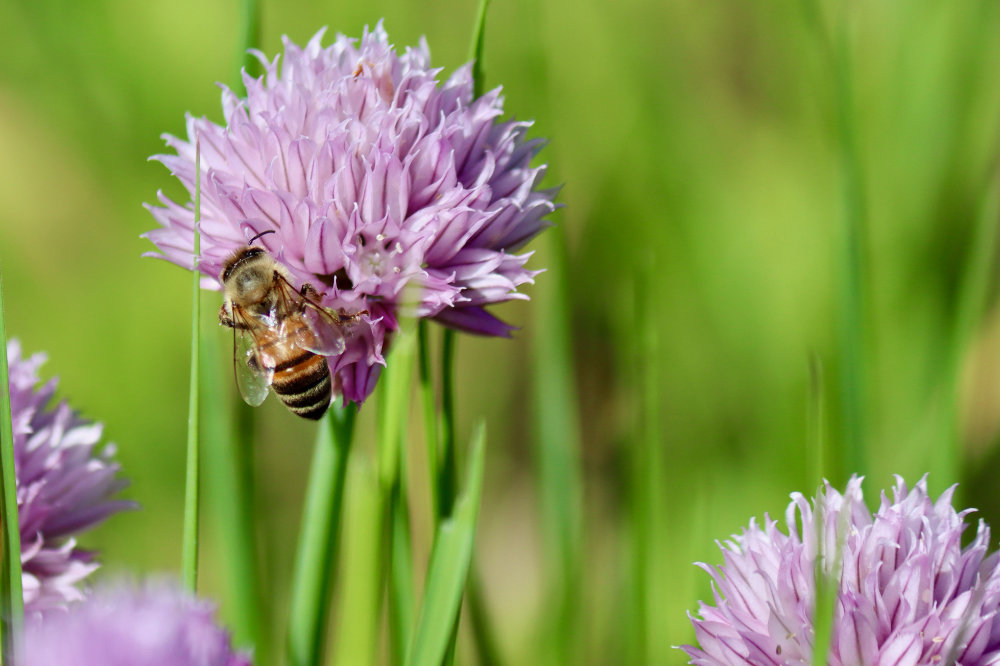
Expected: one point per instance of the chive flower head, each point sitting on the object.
(908, 592)
(64, 485)
(156, 624)
(388, 190)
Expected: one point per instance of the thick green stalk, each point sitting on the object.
(651, 476)
(189, 557)
(972, 301)
(402, 594)
(250, 37)
(11, 593)
(229, 442)
(434, 635)
(430, 413)
(482, 630)
(476, 49)
(397, 557)
(447, 464)
(557, 456)
(315, 563)
(229, 468)
(852, 321)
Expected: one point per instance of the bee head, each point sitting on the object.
(248, 276)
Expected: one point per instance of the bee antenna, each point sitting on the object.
(269, 231)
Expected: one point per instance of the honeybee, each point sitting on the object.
(281, 335)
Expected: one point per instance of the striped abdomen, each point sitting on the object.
(303, 384)
(301, 378)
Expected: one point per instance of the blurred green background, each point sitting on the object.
(697, 264)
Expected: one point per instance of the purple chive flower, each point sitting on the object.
(157, 624)
(63, 486)
(387, 190)
(908, 593)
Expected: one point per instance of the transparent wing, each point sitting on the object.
(253, 379)
(323, 330)
(326, 331)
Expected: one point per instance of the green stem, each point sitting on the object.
(250, 37)
(972, 302)
(557, 457)
(852, 301)
(430, 414)
(435, 632)
(11, 593)
(447, 472)
(402, 599)
(315, 563)
(476, 49)
(229, 467)
(189, 557)
(482, 631)
(397, 558)
(447, 464)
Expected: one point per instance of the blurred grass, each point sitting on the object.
(700, 134)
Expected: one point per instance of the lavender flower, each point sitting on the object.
(909, 593)
(154, 625)
(387, 191)
(63, 486)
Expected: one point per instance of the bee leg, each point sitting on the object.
(224, 318)
(309, 291)
(353, 317)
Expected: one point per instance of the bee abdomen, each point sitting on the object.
(303, 384)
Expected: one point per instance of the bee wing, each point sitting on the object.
(253, 379)
(324, 330)
(327, 337)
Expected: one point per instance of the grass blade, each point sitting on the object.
(360, 573)
(852, 334)
(11, 593)
(189, 556)
(448, 567)
(447, 464)
(250, 34)
(557, 456)
(315, 564)
(402, 594)
(853, 322)
(394, 406)
(476, 49)
(426, 387)
(972, 302)
(230, 478)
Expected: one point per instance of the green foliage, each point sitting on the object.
(448, 567)
(680, 361)
(11, 593)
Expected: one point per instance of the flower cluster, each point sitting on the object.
(388, 191)
(63, 485)
(154, 625)
(909, 593)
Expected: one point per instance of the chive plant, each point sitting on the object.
(11, 594)
(429, 237)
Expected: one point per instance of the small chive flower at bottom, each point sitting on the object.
(157, 624)
(908, 593)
